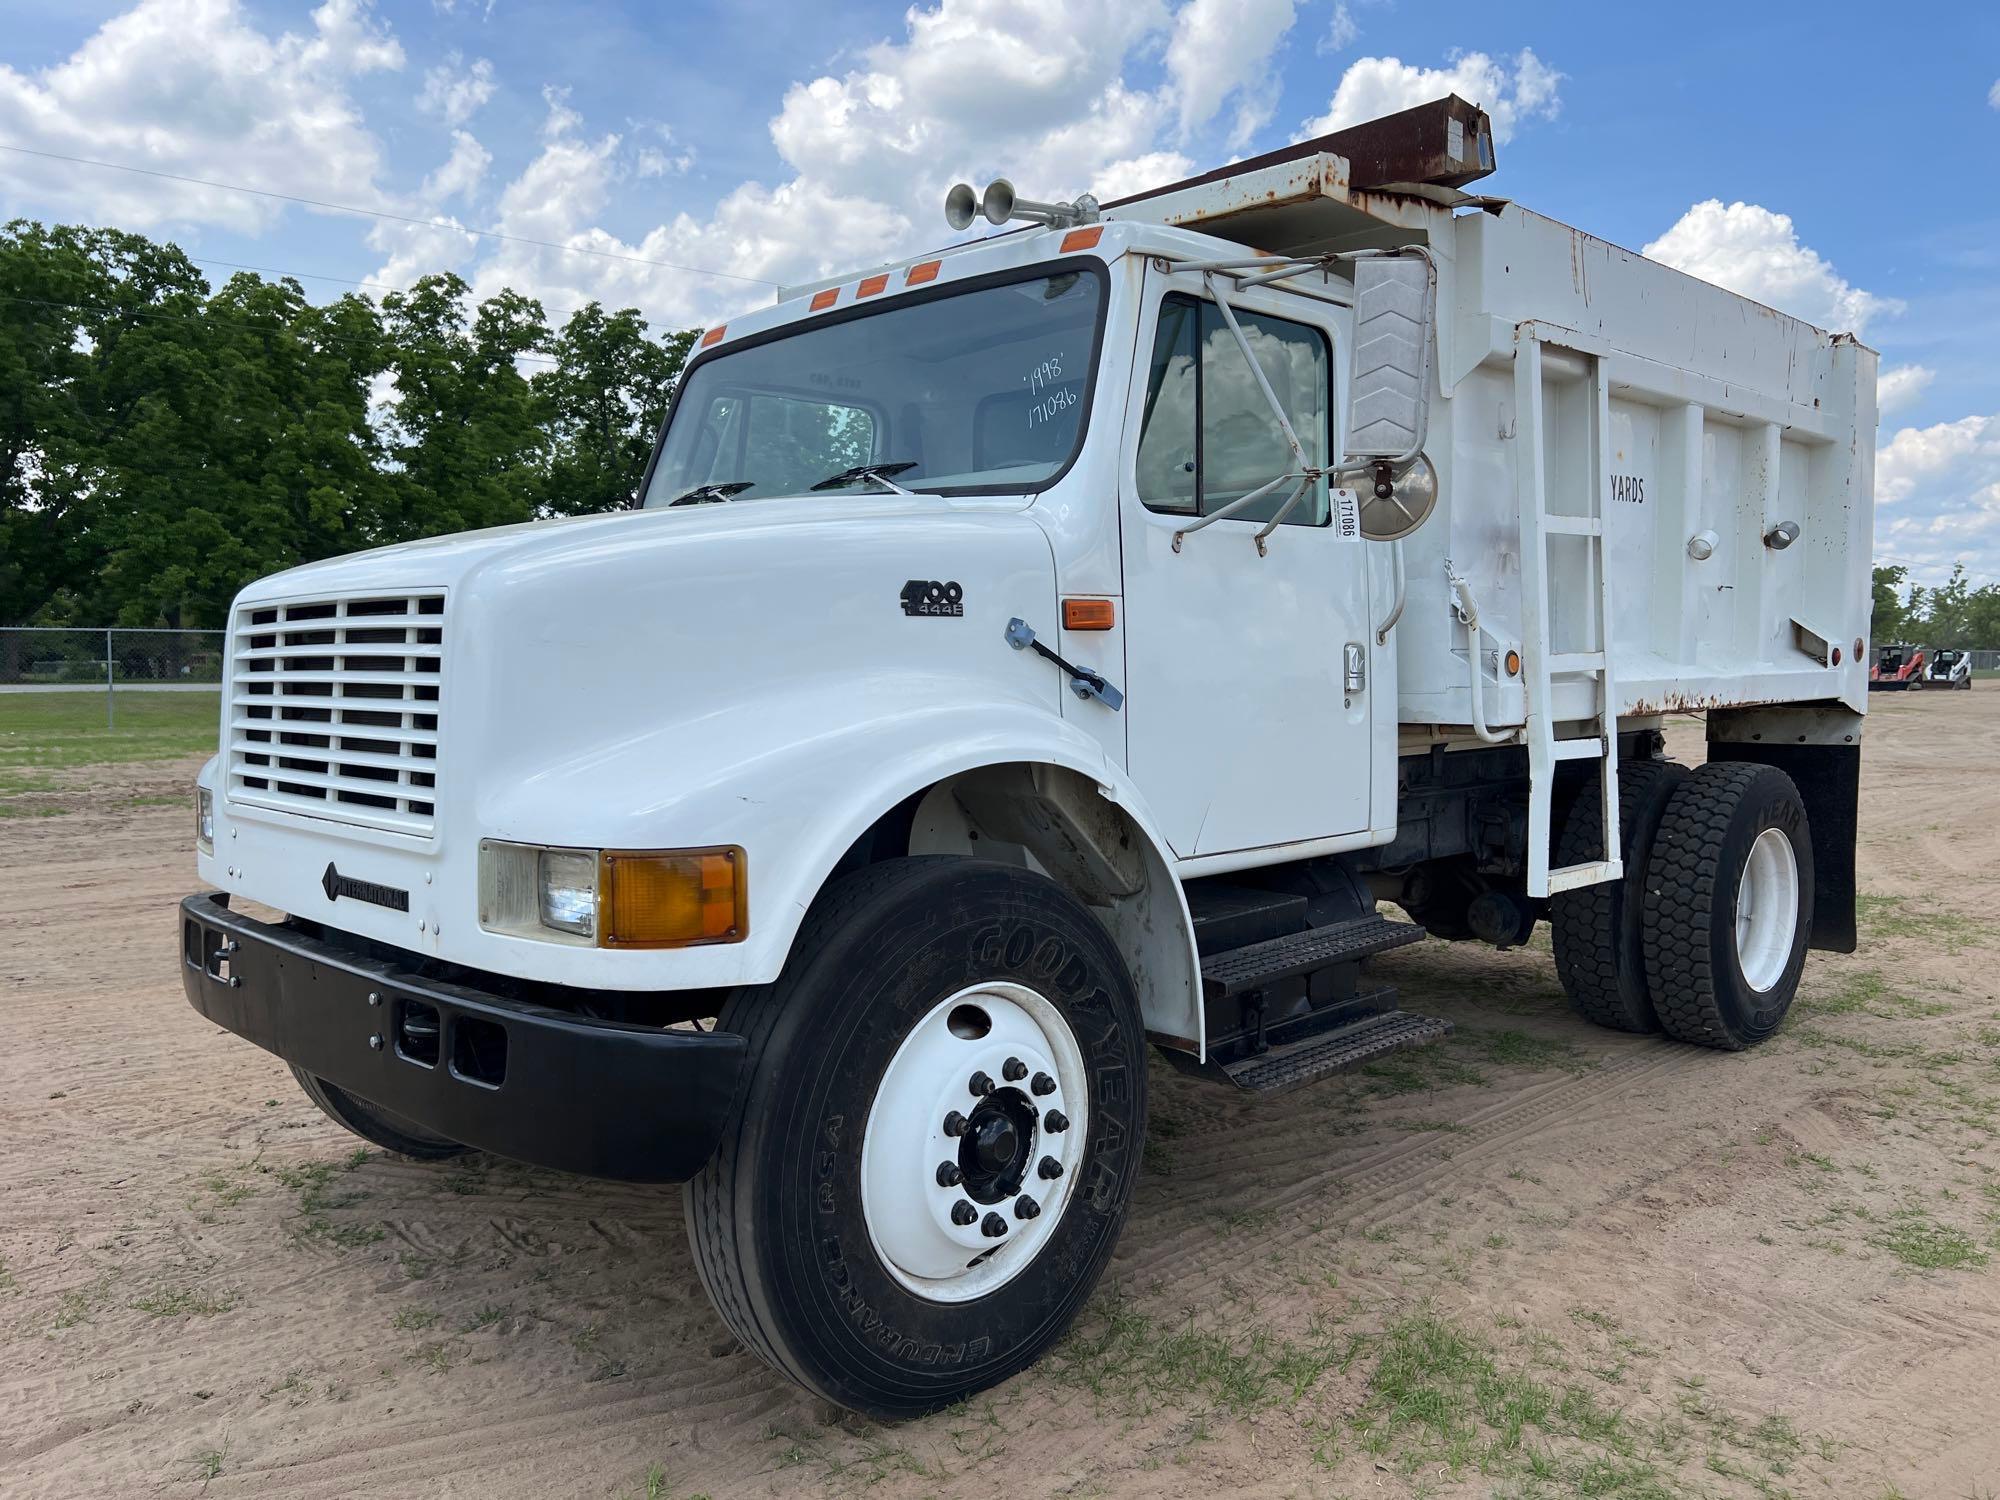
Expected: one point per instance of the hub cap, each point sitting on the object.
(916, 1215)
(1767, 909)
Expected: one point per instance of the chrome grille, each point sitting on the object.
(334, 708)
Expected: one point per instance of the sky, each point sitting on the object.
(1834, 160)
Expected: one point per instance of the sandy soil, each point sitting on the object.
(1543, 1259)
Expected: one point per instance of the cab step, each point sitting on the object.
(1314, 1057)
(1240, 970)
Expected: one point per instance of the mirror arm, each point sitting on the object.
(1256, 370)
(1402, 596)
(1230, 509)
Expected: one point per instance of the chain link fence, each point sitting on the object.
(112, 662)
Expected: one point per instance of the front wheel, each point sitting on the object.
(927, 1170)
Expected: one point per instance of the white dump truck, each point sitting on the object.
(1043, 653)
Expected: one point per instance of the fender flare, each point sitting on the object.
(798, 805)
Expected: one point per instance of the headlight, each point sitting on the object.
(566, 893)
(204, 819)
(614, 898)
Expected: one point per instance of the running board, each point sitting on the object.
(1312, 1058)
(1243, 969)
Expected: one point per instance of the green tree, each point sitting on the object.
(1887, 619)
(602, 404)
(464, 432)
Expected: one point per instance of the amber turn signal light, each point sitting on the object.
(1088, 614)
(672, 898)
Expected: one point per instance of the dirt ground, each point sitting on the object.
(1542, 1259)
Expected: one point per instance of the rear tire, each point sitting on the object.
(374, 1124)
(1599, 930)
(1729, 896)
(851, 1229)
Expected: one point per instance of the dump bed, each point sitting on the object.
(1725, 450)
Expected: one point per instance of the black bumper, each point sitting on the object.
(596, 1097)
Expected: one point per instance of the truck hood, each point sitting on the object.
(449, 561)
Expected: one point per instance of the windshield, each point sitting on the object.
(978, 389)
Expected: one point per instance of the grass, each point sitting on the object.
(66, 730)
(1916, 1239)
(182, 1302)
(1133, 1362)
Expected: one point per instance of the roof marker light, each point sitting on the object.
(823, 300)
(714, 335)
(922, 271)
(1082, 239)
(870, 285)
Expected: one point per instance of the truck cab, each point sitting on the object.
(1034, 657)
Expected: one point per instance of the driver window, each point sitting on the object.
(1208, 436)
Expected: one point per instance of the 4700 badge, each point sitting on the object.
(927, 596)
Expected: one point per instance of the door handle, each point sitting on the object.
(1355, 663)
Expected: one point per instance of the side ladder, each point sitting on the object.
(1544, 660)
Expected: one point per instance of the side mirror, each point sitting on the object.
(1390, 390)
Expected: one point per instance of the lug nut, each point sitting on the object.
(993, 1226)
(954, 1123)
(1043, 1084)
(948, 1174)
(963, 1212)
(1026, 1207)
(1014, 1070)
(1055, 1121)
(1049, 1170)
(981, 1084)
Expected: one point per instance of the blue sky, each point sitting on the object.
(1834, 160)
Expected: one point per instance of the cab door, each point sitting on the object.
(1243, 728)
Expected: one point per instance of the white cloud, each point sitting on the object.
(1900, 386)
(1222, 49)
(1993, 94)
(1917, 458)
(1756, 252)
(1341, 31)
(1374, 86)
(193, 87)
(1939, 492)
(457, 89)
(461, 172)
(974, 89)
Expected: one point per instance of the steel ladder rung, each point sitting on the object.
(1569, 877)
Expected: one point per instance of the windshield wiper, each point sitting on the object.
(878, 472)
(701, 494)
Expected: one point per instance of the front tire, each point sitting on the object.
(929, 1165)
(1729, 895)
(377, 1125)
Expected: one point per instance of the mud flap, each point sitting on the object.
(1828, 776)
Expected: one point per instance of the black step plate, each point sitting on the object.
(1265, 963)
(1315, 1057)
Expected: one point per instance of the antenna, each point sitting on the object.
(999, 204)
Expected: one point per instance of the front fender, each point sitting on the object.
(795, 781)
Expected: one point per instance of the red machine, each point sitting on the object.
(1897, 668)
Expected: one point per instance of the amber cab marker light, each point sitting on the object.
(823, 300)
(714, 335)
(922, 271)
(870, 285)
(672, 898)
(1082, 239)
(1088, 614)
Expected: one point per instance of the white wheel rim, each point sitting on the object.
(907, 1208)
(1767, 909)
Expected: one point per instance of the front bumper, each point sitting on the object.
(599, 1098)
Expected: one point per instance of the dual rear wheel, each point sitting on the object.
(1704, 936)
